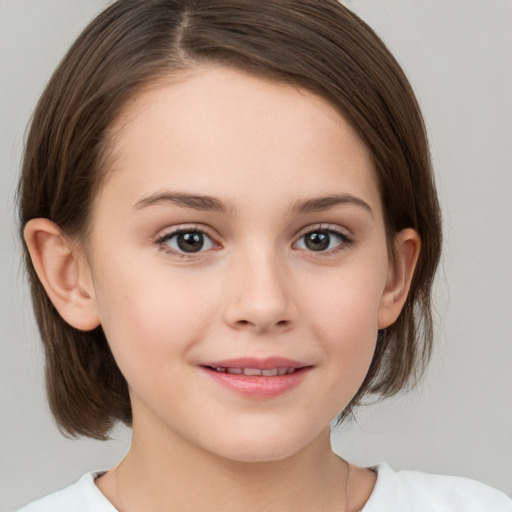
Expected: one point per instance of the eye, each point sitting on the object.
(321, 240)
(187, 241)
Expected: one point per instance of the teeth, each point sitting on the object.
(252, 371)
(272, 372)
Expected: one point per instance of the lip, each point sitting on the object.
(266, 363)
(258, 386)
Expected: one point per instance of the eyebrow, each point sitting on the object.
(320, 204)
(208, 203)
(197, 202)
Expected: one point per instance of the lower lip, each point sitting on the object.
(255, 386)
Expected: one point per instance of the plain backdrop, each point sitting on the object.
(458, 56)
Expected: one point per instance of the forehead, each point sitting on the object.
(225, 132)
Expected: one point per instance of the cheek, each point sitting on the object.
(349, 335)
(345, 301)
(146, 318)
(343, 314)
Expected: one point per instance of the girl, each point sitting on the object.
(231, 233)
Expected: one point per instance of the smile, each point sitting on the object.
(271, 372)
(256, 378)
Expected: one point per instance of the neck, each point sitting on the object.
(179, 476)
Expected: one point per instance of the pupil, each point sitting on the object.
(190, 242)
(318, 241)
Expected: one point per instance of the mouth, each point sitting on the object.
(254, 372)
(258, 378)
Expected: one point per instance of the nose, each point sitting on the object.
(259, 295)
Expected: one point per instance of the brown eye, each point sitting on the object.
(188, 241)
(322, 240)
(318, 241)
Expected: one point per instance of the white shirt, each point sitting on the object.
(395, 491)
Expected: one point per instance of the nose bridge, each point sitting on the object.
(258, 290)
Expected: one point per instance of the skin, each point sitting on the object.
(255, 289)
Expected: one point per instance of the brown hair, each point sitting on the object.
(316, 44)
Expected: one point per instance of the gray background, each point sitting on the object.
(458, 55)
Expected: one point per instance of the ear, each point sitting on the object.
(398, 283)
(64, 273)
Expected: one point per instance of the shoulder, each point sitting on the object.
(413, 491)
(83, 496)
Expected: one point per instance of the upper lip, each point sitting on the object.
(267, 363)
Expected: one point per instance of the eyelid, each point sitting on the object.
(170, 232)
(161, 238)
(333, 228)
(343, 234)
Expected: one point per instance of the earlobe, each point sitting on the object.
(63, 272)
(400, 274)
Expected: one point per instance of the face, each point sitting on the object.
(238, 263)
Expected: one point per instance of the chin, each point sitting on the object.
(261, 449)
(260, 456)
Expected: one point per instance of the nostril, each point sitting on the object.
(246, 323)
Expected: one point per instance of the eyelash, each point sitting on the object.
(161, 241)
(344, 241)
